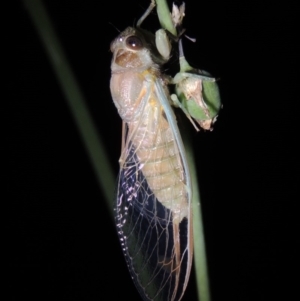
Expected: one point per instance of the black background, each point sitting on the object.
(62, 242)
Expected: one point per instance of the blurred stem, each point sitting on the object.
(92, 141)
(201, 270)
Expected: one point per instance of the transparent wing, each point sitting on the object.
(157, 244)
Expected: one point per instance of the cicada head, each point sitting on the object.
(134, 49)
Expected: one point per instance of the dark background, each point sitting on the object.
(62, 243)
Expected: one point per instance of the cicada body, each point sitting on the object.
(153, 207)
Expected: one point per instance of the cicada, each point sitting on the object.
(153, 208)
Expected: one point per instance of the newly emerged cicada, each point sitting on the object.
(153, 208)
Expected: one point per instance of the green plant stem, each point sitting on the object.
(200, 262)
(201, 269)
(75, 99)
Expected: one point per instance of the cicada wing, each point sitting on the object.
(145, 230)
(157, 249)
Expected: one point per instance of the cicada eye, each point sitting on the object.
(134, 43)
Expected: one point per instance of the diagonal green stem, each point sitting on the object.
(75, 99)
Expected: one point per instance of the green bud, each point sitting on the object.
(199, 95)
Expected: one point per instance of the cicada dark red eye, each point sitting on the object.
(134, 43)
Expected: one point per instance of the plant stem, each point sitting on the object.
(92, 141)
(199, 241)
(200, 262)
